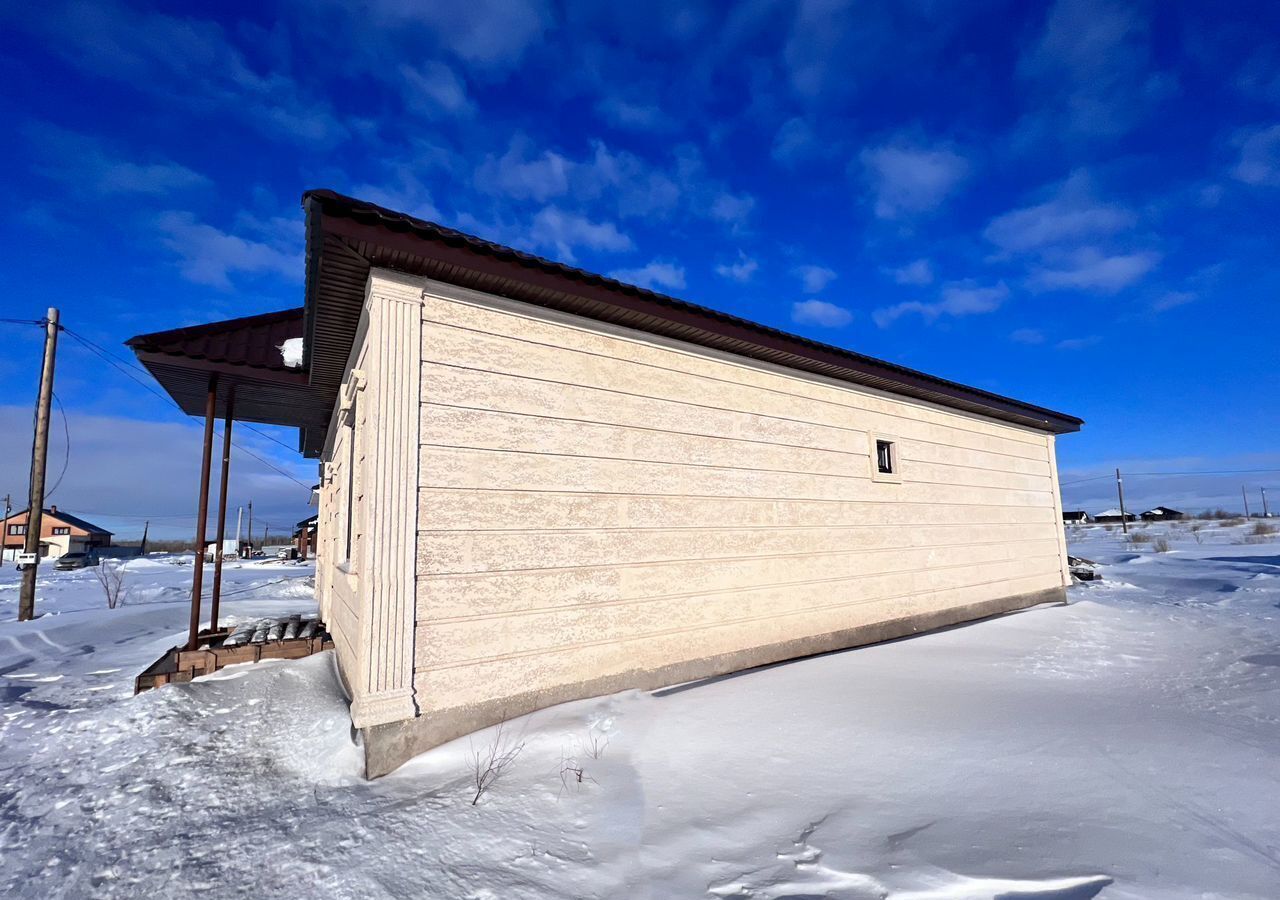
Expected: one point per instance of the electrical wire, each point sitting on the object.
(1171, 474)
(66, 459)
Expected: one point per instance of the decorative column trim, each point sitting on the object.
(387, 589)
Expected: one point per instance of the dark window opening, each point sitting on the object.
(17, 529)
(884, 457)
(61, 530)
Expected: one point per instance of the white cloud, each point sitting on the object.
(819, 312)
(1080, 343)
(794, 142)
(1259, 162)
(488, 34)
(1090, 269)
(1027, 336)
(564, 231)
(84, 163)
(209, 255)
(525, 175)
(814, 279)
(732, 209)
(630, 116)
(1072, 213)
(959, 298)
(917, 273)
(657, 274)
(1172, 300)
(434, 88)
(740, 270)
(908, 179)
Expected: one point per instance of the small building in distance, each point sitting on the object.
(1162, 514)
(304, 537)
(1076, 517)
(1108, 516)
(60, 533)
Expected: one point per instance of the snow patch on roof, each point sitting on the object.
(291, 350)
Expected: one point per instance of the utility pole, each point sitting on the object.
(265, 530)
(239, 522)
(1266, 513)
(1124, 518)
(39, 453)
(251, 526)
(4, 529)
(146, 525)
(1245, 494)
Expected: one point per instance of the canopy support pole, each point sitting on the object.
(197, 576)
(228, 413)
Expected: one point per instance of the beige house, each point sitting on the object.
(60, 533)
(539, 484)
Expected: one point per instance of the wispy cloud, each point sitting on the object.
(740, 269)
(487, 34)
(1027, 336)
(1172, 300)
(959, 298)
(916, 273)
(434, 89)
(814, 279)
(908, 179)
(1070, 214)
(1079, 343)
(564, 232)
(1259, 162)
(657, 274)
(524, 173)
(820, 312)
(83, 163)
(1091, 269)
(211, 256)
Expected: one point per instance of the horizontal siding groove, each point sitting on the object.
(865, 476)
(427, 620)
(1005, 430)
(444, 487)
(651, 429)
(649, 635)
(660, 529)
(639, 563)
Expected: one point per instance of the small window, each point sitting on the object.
(885, 462)
(60, 529)
(17, 529)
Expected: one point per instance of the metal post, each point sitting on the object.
(4, 529)
(1266, 513)
(250, 528)
(1245, 494)
(39, 453)
(197, 577)
(228, 415)
(1124, 518)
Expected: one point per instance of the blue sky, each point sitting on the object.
(1073, 203)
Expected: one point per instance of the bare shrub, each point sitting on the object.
(1262, 529)
(595, 743)
(1140, 537)
(1196, 529)
(1230, 522)
(110, 575)
(1109, 527)
(1160, 545)
(490, 762)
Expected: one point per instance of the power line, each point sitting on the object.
(105, 356)
(66, 458)
(1213, 472)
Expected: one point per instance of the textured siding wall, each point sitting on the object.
(594, 502)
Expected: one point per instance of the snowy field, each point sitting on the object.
(1126, 745)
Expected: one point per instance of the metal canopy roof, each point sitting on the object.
(243, 353)
(345, 237)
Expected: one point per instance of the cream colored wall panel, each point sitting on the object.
(495, 470)
(511, 356)
(484, 429)
(450, 643)
(515, 593)
(470, 510)
(497, 551)
(463, 684)
(445, 315)
(477, 389)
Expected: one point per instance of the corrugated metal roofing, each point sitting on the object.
(252, 341)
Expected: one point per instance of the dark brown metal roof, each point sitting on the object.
(345, 237)
(245, 354)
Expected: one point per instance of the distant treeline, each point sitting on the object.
(156, 546)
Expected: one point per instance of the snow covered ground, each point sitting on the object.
(1123, 746)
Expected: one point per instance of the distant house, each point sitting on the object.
(1114, 515)
(1162, 514)
(304, 537)
(1076, 517)
(60, 533)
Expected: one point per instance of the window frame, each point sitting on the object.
(61, 530)
(874, 440)
(17, 529)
